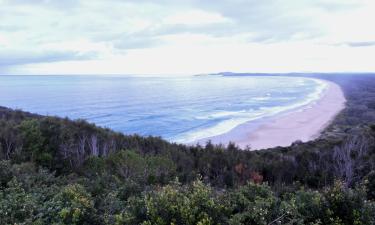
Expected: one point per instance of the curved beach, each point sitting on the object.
(304, 123)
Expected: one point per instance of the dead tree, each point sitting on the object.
(347, 156)
(104, 149)
(9, 146)
(93, 145)
(80, 149)
(8, 140)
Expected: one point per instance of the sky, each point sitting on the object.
(172, 37)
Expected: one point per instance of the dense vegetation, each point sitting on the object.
(59, 171)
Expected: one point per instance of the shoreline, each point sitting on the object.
(303, 123)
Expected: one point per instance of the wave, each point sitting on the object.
(232, 119)
(221, 114)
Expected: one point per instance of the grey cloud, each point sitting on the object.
(336, 6)
(354, 44)
(13, 58)
(268, 20)
(136, 42)
(62, 4)
(9, 28)
(361, 44)
(218, 30)
(151, 37)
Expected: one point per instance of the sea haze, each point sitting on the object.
(182, 109)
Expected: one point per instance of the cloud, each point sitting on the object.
(44, 3)
(361, 44)
(16, 58)
(9, 28)
(48, 32)
(195, 17)
(136, 42)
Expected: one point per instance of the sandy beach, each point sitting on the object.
(304, 124)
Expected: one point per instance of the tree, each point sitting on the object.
(182, 205)
(34, 143)
(16, 206)
(8, 139)
(348, 156)
(73, 205)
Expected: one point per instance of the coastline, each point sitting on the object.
(303, 123)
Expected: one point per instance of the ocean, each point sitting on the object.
(179, 109)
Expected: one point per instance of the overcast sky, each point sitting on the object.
(186, 36)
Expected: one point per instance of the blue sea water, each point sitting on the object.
(181, 109)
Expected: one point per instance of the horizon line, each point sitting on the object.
(196, 74)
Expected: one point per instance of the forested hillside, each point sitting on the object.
(59, 171)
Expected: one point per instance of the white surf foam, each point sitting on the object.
(240, 117)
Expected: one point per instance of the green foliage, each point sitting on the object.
(308, 206)
(34, 142)
(370, 185)
(16, 205)
(130, 165)
(177, 204)
(35, 196)
(348, 206)
(6, 173)
(72, 205)
(254, 204)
